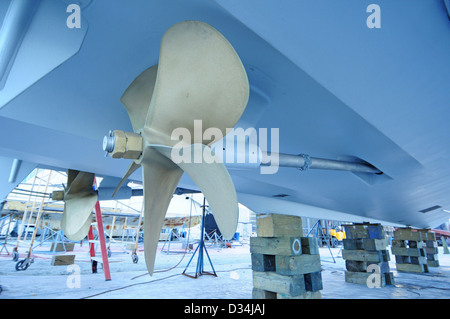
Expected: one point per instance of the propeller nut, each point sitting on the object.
(108, 142)
(122, 144)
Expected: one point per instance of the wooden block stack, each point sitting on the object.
(431, 247)
(285, 265)
(408, 247)
(365, 253)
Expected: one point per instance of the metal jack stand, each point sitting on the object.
(7, 234)
(201, 246)
(322, 234)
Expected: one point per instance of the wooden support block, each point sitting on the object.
(408, 234)
(399, 243)
(376, 231)
(414, 252)
(376, 256)
(433, 263)
(431, 236)
(362, 278)
(374, 244)
(402, 259)
(418, 268)
(313, 281)
(365, 230)
(276, 225)
(271, 281)
(263, 294)
(418, 260)
(416, 244)
(365, 244)
(431, 244)
(356, 231)
(63, 260)
(424, 233)
(432, 256)
(361, 266)
(290, 246)
(353, 244)
(306, 295)
(262, 262)
(310, 246)
(431, 250)
(389, 278)
(297, 265)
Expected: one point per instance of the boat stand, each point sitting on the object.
(200, 248)
(322, 236)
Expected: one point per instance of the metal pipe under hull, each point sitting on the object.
(305, 162)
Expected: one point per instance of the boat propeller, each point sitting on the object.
(199, 77)
(79, 200)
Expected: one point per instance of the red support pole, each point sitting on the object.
(91, 244)
(101, 237)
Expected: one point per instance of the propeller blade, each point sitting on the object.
(82, 182)
(71, 175)
(138, 95)
(160, 179)
(215, 183)
(77, 216)
(79, 201)
(131, 169)
(199, 77)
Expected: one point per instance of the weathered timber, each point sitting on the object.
(408, 234)
(356, 231)
(263, 262)
(374, 244)
(313, 281)
(415, 252)
(310, 246)
(353, 244)
(275, 225)
(290, 246)
(263, 294)
(361, 266)
(297, 265)
(376, 256)
(365, 278)
(306, 295)
(60, 260)
(271, 281)
(418, 268)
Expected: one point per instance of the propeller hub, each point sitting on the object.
(120, 144)
(58, 195)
